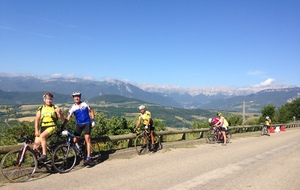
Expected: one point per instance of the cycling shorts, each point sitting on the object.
(83, 127)
(151, 127)
(223, 128)
(50, 130)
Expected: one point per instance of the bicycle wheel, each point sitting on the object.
(157, 142)
(64, 158)
(211, 136)
(264, 130)
(48, 163)
(95, 152)
(15, 172)
(228, 136)
(140, 146)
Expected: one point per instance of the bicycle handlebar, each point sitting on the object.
(69, 134)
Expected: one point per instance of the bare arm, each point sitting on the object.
(59, 113)
(92, 112)
(36, 123)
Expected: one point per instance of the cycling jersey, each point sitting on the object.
(145, 117)
(48, 116)
(267, 122)
(81, 113)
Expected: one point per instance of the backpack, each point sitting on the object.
(226, 122)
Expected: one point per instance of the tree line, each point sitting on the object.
(117, 125)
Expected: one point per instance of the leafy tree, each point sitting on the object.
(290, 110)
(234, 120)
(268, 110)
(10, 134)
(199, 125)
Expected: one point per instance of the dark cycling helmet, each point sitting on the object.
(76, 94)
(48, 95)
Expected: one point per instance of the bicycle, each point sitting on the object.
(64, 156)
(264, 130)
(20, 164)
(141, 147)
(214, 135)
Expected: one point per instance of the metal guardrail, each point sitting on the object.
(131, 136)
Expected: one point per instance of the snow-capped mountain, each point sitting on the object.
(222, 98)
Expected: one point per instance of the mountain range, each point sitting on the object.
(215, 98)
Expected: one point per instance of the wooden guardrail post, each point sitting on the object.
(183, 136)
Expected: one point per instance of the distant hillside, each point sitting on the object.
(254, 102)
(25, 98)
(171, 97)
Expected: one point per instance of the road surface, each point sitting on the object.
(259, 162)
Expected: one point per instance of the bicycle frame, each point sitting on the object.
(143, 142)
(23, 152)
(214, 134)
(65, 155)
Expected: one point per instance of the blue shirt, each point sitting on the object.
(81, 113)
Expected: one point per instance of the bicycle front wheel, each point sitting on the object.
(64, 158)
(141, 144)
(211, 136)
(15, 171)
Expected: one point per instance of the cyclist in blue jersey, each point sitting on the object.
(85, 120)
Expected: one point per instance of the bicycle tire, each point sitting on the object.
(48, 163)
(264, 130)
(211, 136)
(15, 173)
(95, 152)
(157, 142)
(139, 142)
(64, 158)
(228, 136)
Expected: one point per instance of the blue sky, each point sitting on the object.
(186, 43)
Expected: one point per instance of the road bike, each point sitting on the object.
(66, 155)
(21, 164)
(142, 147)
(214, 135)
(264, 130)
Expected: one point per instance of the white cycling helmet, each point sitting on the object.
(209, 120)
(76, 94)
(142, 107)
(267, 117)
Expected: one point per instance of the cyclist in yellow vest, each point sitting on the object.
(222, 126)
(146, 120)
(268, 122)
(46, 123)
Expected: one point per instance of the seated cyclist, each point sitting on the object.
(45, 123)
(146, 120)
(222, 126)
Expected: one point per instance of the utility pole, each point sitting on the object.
(244, 112)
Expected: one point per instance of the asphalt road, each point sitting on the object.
(259, 162)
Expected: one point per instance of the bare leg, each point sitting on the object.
(88, 144)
